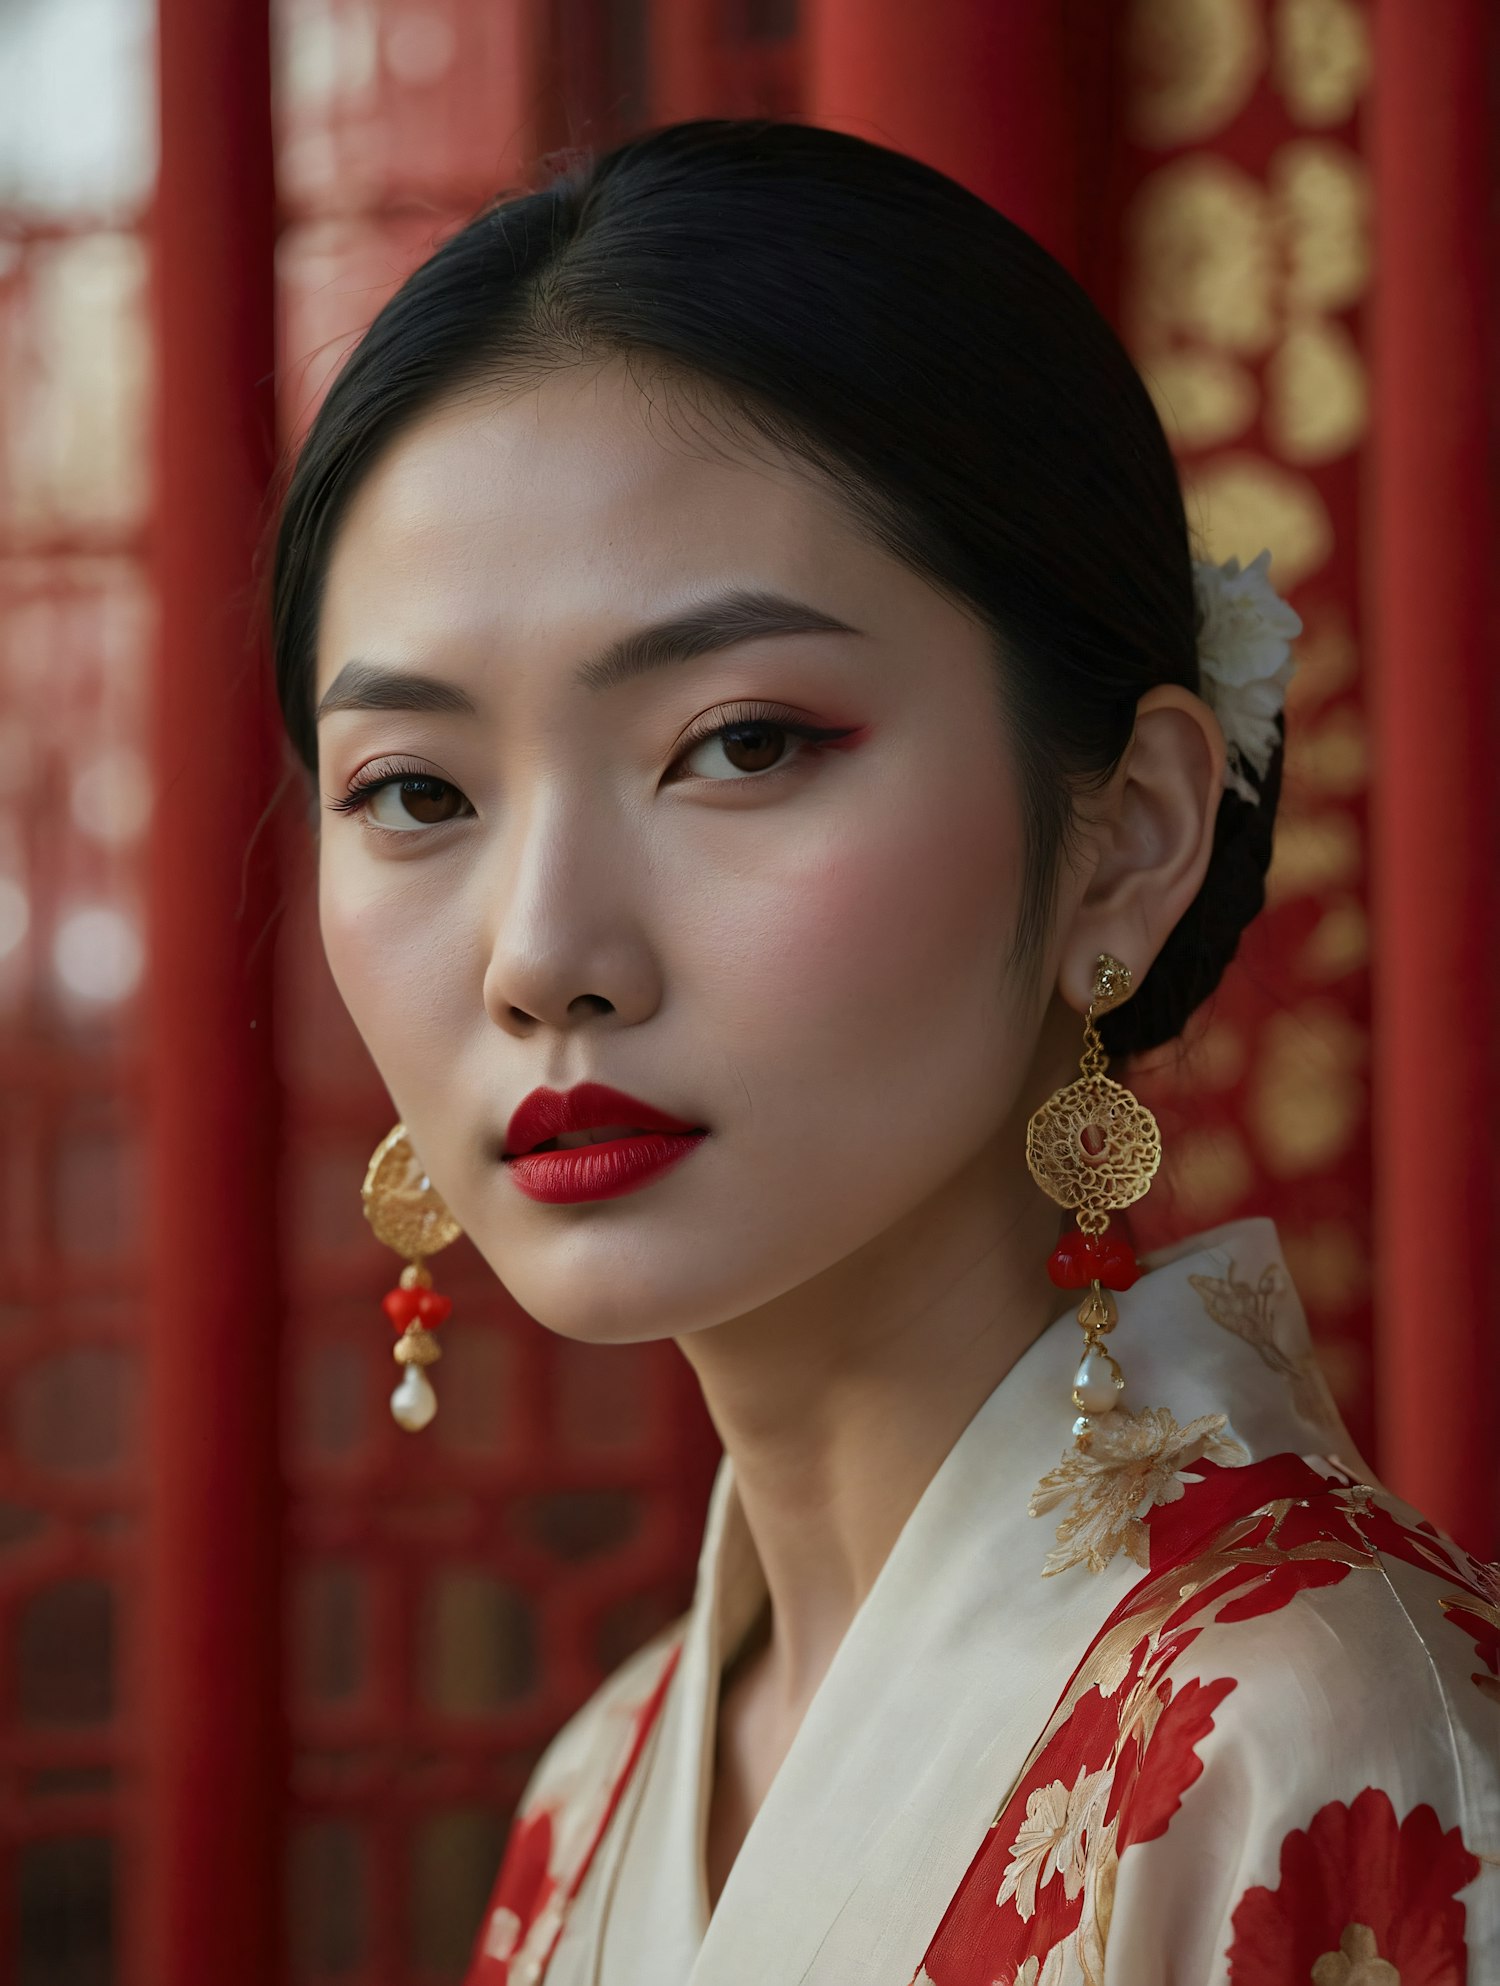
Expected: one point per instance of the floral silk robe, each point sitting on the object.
(1260, 1743)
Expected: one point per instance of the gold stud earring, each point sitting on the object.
(408, 1214)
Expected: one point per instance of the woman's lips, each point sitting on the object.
(603, 1171)
(544, 1115)
(572, 1140)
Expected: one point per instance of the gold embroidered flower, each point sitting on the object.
(1052, 1840)
(1250, 1311)
(1134, 1462)
(1356, 1962)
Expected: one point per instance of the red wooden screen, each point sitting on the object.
(76, 792)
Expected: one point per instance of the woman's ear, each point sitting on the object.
(1153, 835)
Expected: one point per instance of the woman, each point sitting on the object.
(772, 731)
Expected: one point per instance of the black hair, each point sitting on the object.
(871, 317)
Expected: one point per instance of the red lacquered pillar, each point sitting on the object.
(1434, 828)
(979, 89)
(683, 59)
(207, 1906)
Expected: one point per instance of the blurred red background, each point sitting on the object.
(271, 1672)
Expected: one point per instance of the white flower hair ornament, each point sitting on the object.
(1245, 631)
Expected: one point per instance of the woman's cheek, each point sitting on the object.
(393, 953)
(875, 928)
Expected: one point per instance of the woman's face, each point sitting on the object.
(796, 942)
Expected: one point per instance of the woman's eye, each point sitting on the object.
(412, 802)
(736, 750)
(747, 746)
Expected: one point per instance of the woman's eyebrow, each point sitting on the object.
(372, 686)
(740, 615)
(713, 624)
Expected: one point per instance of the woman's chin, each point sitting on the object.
(619, 1302)
(619, 1308)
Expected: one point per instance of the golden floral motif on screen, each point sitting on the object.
(1200, 243)
(1193, 66)
(1239, 498)
(1320, 58)
(1320, 196)
(1211, 1172)
(1307, 1103)
(1340, 943)
(1316, 402)
(1314, 853)
(1204, 398)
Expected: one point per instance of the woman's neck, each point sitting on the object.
(838, 1403)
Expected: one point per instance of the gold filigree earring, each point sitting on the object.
(408, 1214)
(1094, 1146)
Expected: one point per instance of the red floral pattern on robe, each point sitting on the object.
(1126, 1744)
(1364, 1900)
(523, 1891)
(552, 1843)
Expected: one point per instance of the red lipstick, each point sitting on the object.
(637, 1144)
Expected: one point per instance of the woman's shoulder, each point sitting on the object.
(594, 1744)
(563, 1812)
(1326, 1607)
(1319, 1725)
(1325, 1576)
(1281, 1749)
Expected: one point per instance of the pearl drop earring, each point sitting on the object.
(408, 1214)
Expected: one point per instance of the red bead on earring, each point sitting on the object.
(1080, 1259)
(415, 1310)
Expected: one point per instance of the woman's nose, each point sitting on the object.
(570, 940)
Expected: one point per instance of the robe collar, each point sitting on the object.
(951, 1665)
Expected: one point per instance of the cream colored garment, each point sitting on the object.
(945, 1682)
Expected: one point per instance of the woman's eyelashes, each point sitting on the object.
(751, 740)
(399, 799)
(748, 744)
